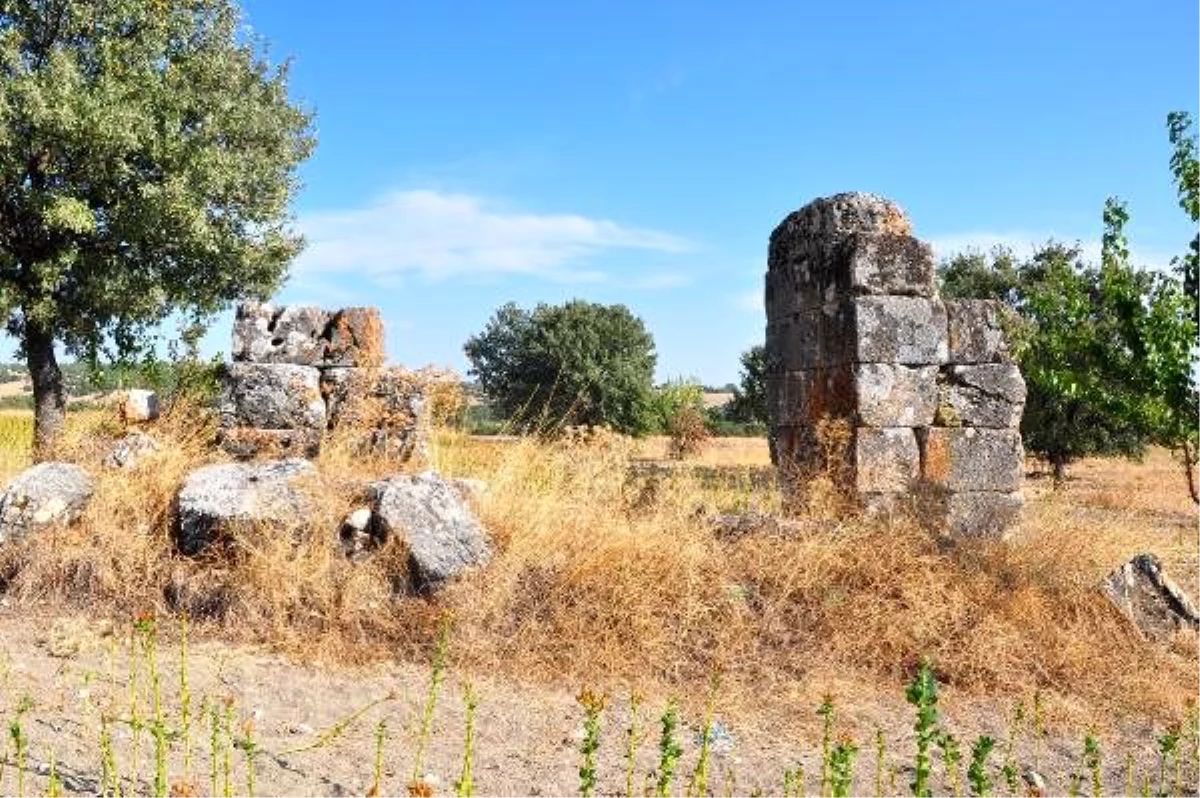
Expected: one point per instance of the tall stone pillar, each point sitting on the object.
(856, 331)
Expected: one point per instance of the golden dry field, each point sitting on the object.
(608, 575)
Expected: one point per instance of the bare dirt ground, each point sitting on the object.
(304, 722)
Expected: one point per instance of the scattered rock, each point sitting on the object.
(355, 534)
(42, 496)
(130, 450)
(441, 533)
(219, 499)
(1150, 599)
(139, 406)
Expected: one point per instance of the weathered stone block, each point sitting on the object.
(889, 264)
(218, 499)
(139, 406)
(42, 496)
(870, 394)
(885, 460)
(271, 396)
(982, 514)
(246, 443)
(437, 526)
(976, 332)
(895, 396)
(804, 397)
(1150, 599)
(986, 395)
(293, 334)
(907, 330)
(356, 338)
(383, 409)
(971, 459)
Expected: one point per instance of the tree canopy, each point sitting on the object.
(148, 156)
(1108, 351)
(576, 363)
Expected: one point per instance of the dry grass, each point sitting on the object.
(610, 576)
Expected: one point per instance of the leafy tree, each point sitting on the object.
(1180, 430)
(1105, 352)
(673, 397)
(576, 363)
(749, 403)
(148, 156)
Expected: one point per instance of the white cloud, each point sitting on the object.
(440, 235)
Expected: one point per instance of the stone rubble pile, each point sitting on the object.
(929, 395)
(300, 372)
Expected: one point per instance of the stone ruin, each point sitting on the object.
(930, 398)
(301, 372)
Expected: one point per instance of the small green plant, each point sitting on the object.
(593, 709)
(110, 781)
(699, 782)
(669, 750)
(54, 787)
(922, 693)
(826, 711)
(951, 760)
(1168, 751)
(793, 782)
(880, 756)
(227, 750)
(1092, 761)
(185, 698)
(437, 675)
(634, 736)
(977, 772)
(841, 767)
(214, 745)
(1009, 768)
(380, 739)
(250, 751)
(465, 786)
(148, 634)
(20, 740)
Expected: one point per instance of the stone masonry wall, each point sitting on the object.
(856, 331)
(301, 372)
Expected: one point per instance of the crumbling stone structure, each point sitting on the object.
(301, 372)
(930, 398)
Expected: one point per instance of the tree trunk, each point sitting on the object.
(49, 401)
(1059, 464)
(1188, 457)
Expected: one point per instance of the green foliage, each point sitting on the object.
(669, 750)
(1108, 352)
(1092, 761)
(593, 708)
(922, 694)
(148, 155)
(749, 404)
(977, 771)
(826, 711)
(841, 768)
(571, 364)
(672, 398)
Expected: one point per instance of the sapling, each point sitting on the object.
(436, 676)
(634, 735)
(841, 767)
(593, 708)
(951, 758)
(1092, 761)
(20, 741)
(977, 772)
(669, 750)
(826, 712)
(922, 693)
(466, 782)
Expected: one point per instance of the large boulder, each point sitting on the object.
(42, 496)
(217, 500)
(436, 525)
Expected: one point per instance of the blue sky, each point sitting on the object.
(474, 153)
